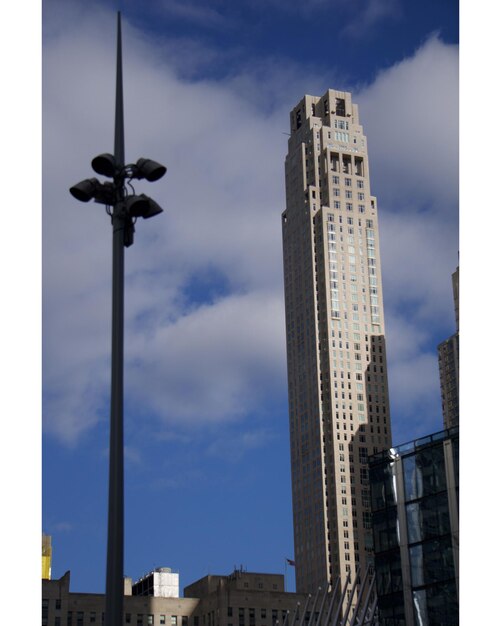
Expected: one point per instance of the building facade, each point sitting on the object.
(46, 556)
(161, 582)
(336, 359)
(415, 498)
(240, 599)
(448, 364)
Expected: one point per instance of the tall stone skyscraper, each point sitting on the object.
(337, 377)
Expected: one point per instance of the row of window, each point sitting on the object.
(349, 206)
(252, 613)
(336, 180)
(332, 218)
(348, 193)
(77, 617)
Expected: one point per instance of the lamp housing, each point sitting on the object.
(105, 164)
(142, 206)
(149, 169)
(84, 190)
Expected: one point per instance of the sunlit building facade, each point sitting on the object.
(337, 374)
(240, 599)
(46, 556)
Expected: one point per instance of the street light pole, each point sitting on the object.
(115, 549)
(124, 209)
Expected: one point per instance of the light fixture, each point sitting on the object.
(85, 190)
(142, 206)
(103, 193)
(105, 165)
(149, 169)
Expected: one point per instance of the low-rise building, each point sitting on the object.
(240, 599)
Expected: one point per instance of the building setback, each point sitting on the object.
(415, 495)
(336, 358)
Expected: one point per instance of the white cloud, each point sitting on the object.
(233, 448)
(223, 196)
(411, 117)
(217, 363)
(414, 387)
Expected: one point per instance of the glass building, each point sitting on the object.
(414, 497)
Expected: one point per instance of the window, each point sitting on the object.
(58, 604)
(127, 618)
(340, 107)
(139, 619)
(230, 611)
(92, 617)
(173, 620)
(69, 618)
(45, 611)
(151, 619)
(57, 621)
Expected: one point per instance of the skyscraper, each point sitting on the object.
(448, 363)
(337, 376)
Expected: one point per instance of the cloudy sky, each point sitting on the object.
(208, 90)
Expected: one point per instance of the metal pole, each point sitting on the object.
(366, 605)
(115, 550)
(321, 611)
(114, 565)
(331, 604)
(312, 614)
(305, 609)
(340, 605)
(360, 595)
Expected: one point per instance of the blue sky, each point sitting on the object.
(208, 88)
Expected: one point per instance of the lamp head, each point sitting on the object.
(105, 165)
(84, 190)
(142, 206)
(149, 169)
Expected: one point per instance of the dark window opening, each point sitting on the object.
(340, 107)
